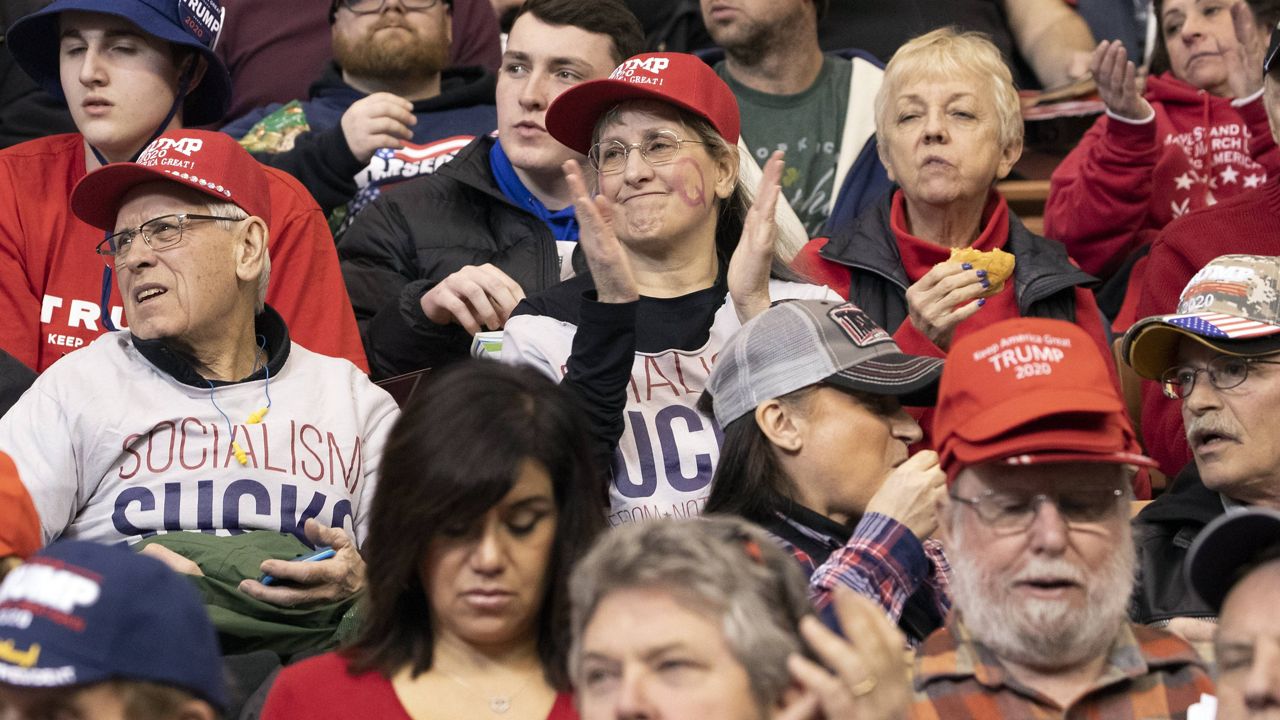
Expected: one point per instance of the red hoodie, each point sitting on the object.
(1124, 181)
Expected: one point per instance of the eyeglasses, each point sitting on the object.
(1224, 371)
(368, 7)
(159, 234)
(1008, 512)
(609, 158)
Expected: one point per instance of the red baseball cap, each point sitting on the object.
(19, 523)
(1026, 391)
(212, 163)
(680, 79)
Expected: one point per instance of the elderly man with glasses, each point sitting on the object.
(1218, 354)
(1038, 455)
(203, 416)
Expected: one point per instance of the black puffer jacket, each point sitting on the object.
(1043, 283)
(417, 234)
(1163, 533)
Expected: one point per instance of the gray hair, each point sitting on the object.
(236, 213)
(712, 563)
(948, 53)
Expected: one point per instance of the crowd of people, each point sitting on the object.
(523, 366)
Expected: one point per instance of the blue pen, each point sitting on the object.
(322, 553)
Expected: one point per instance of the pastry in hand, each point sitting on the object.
(997, 263)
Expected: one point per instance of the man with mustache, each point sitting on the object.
(1218, 355)
(387, 90)
(1038, 454)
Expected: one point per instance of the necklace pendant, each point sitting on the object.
(500, 704)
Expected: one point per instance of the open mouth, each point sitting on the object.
(149, 294)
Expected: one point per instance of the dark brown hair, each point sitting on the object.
(454, 453)
(602, 17)
(1266, 14)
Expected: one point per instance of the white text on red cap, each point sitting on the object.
(653, 66)
(1029, 354)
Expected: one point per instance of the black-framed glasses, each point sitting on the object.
(1224, 371)
(1010, 512)
(368, 7)
(159, 233)
(610, 157)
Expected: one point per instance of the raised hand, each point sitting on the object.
(911, 492)
(1244, 62)
(610, 265)
(748, 275)
(1117, 80)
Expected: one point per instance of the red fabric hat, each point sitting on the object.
(209, 162)
(680, 79)
(19, 523)
(1027, 391)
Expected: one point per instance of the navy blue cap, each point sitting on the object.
(1227, 547)
(80, 612)
(34, 41)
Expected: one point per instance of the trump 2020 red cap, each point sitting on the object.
(208, 162)
(680, 79)
(1027, 391)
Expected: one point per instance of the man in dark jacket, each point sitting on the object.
(1219, 354)
(436, 260)
(381, 111)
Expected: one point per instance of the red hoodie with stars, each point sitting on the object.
(1126, 181)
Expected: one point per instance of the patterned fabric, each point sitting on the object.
(884, 561)
(1149, 674)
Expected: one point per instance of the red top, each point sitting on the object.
(323, 687)
(918, 258)
(51, 278)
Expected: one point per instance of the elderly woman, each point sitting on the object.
(1197, 135)
(948, 127)
(485, 503)
(708, 619)
(637, 337)
(816, 451)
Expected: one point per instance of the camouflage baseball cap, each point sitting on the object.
(1232, 305)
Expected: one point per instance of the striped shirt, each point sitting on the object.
(1149, 674)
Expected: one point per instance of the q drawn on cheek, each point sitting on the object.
(689, 184)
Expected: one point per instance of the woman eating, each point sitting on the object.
(485, 499)
(677, 263)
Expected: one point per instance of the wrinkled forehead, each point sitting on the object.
(153, 199)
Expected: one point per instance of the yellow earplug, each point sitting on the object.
(257, 415)
(241, 455)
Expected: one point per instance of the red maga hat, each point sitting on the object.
(1027, 391)
(680, 79)
(212, 163)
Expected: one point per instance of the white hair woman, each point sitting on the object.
(948, 128)
(638, 335)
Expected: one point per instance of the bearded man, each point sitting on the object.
(387, 90)
(1038, 455)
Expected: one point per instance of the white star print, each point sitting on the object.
(1183, 181)
(1253, 181)
(1229, 176)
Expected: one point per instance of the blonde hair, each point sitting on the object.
(948, 53)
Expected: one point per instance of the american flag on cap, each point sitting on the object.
(1221, 325)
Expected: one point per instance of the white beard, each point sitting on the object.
(1043, 634)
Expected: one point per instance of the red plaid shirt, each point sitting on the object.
(1149, 674)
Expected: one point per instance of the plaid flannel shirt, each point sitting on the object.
(1149, 674)
(885, 562)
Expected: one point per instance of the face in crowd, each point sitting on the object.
(392, 42)
(541, 61)
(1198, 36)
(1043, 558)
(1247, 647)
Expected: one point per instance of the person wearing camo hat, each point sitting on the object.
(1219, 355)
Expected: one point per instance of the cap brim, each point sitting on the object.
(1019, 410)
(1150, 346)
(572, 117)
(1227, 545)
(96, 198)
(34, 41)
(913, 379)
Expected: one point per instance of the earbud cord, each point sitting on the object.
(256, 416)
